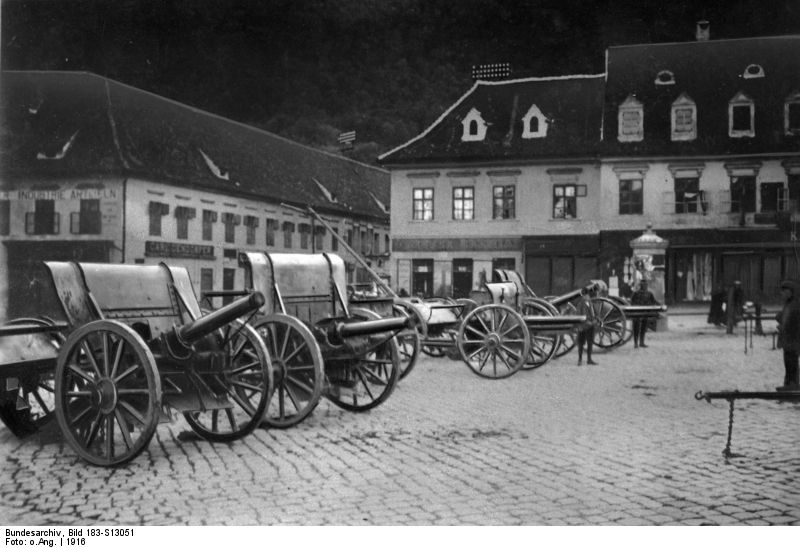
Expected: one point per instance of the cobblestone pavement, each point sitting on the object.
(623, 443)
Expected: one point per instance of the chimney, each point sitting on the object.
(703, 31)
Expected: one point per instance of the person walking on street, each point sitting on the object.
(789, 333)
(641, 296)
(586, 331)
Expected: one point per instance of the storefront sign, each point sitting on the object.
(178, 250)
(457, 244)
(60, 194)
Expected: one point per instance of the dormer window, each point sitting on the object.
(741, 116)
(474, 126)
(684, 119)
(631, 120)
(534, 124)
(753, 71)
(665, 78)
(791, 114)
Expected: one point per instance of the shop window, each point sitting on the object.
(463, 203)
(565, 202)
(422, 204)
(156, 211)
(631, 197)
(503, 202)
(209, 218)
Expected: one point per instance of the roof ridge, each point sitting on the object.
(540, 79)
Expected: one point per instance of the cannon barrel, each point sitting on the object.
(574, 294)
(31, 328)
(339, 331)
(191, 332)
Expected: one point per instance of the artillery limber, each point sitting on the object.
(318, 343)
(135, 346)
(28, 352)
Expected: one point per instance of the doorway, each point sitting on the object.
(422, 278)
(462, 278)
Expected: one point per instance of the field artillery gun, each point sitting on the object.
(135, 346)
(318, 343)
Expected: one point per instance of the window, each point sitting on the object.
(231, 221)
(565, 205)
(5, 217)
(43, 219)
(319, 233)
(687, 194)
(288, 230)
(272, 226)
(753, 71)
(349, 237)
(183, 215)
(684, 119)
(630, 121)
(156, 210)
(791, 111)
(335, 240)
(376, 244)
(772, 197)
(251, 224)
(423, 204)
(630, 197)
(743, 194)
(534, 124)
(793, 188)
(206, 280)
(503, 206)
(387, 244)
(87, 220)
(364, 242)
(665, 78)
(741, 116)
(304, 231)
(463, 203)
(474, 126)
(209, 218)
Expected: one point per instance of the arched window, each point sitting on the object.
(534, 123)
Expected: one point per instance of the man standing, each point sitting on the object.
(641, 296)
(789, 333)
(586, 331)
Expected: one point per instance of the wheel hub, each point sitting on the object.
(492, 341)
(279, 370)
(105, 396)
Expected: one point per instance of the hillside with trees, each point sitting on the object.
(310, 69)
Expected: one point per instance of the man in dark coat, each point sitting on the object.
(789, 332)
(641, 296)
(586, 331)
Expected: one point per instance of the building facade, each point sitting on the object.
(97, 171)
(700, 140)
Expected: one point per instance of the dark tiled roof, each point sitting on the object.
(105, 127)
(572, 104)
(710, 73)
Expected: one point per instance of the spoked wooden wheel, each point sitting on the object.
(408, 343)
(493, 341)
(363, 382)
(28, 404)
(246, 379)
(568, 340)
(543, 346)
(628, 324)
(613, 325)
(297, 367)
(108, 393)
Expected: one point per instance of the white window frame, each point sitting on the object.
(534, 112)
(741, 100)
(630, 105)
(793, 99)
(684, 102)
(473, 116)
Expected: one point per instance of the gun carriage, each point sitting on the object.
(318, 343)
(134, 346)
